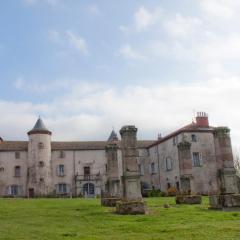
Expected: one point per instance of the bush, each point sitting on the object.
(172, 191)
(155, 193)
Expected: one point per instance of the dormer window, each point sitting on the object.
(40, 145)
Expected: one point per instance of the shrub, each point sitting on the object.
(155, 193)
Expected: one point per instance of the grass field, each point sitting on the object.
(86, 219)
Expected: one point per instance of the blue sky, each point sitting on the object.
(88, 66)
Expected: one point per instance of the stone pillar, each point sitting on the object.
(224, 158)
(112, 169)
(229, 196)
(132, 198)
(131, 175)
(185, 165)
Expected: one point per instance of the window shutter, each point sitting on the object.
(20, 190)
(200, 159)
(57, 170)
(68, 188)
(57, 188)
(8, 190)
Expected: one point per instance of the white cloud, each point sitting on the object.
(221, 8)
(182, 26)
(124, 29)
(93, 9)
(33, 87)
(35, 2)
(77, 42)
(69, 40)
(128, 52)
(145, 18)
(88, 111)
(54, 36)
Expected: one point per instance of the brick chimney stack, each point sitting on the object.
(202, 119)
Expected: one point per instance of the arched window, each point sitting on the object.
(1, 169)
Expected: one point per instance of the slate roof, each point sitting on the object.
(87, 145)
(39, 127)
(113, 136)
(192, 127)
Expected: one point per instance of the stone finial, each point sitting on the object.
(128, 128)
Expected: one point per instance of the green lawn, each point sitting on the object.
(86, 219)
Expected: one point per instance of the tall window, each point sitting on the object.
(86, 173)
(194, 138)
(196, 157)
(1, 169)
(153, 168)
(62, 188)
(17, 171)
(62, 154)
(141, 169)
(60, 170)
(168, 164)
(14, 190)
(17, 155)
(175, 140)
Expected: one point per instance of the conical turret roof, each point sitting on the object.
(113, 137)
(39, 127)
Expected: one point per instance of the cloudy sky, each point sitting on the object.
(89, 66)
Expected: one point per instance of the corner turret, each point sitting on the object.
(39, 161)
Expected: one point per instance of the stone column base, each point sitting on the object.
(188, 199)
(224, 201)
(131, 207)
(109, 202)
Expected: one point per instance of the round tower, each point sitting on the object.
(39, 161)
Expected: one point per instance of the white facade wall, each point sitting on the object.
(8, 162)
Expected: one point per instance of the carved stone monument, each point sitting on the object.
(228, 181)
(132, 202)
(185, 162)
(112, 194)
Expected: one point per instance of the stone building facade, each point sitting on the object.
(192, 158)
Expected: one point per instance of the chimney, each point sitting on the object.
(202, 119)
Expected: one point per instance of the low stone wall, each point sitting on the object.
(224, 201)
(131, 207)
(188, 199)
(109, 202)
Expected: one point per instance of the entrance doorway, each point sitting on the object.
(186, 185)
(31, 192)
(88, 189)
